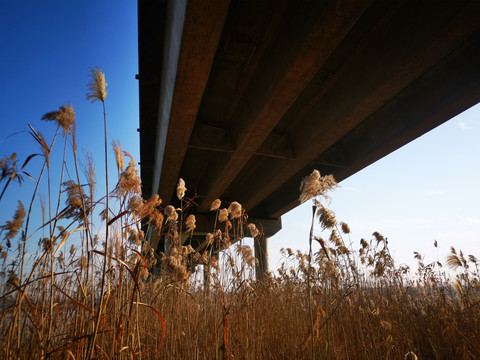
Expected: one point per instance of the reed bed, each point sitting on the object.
(91, 294)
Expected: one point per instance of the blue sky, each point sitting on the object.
(48, 50)
(425, 191)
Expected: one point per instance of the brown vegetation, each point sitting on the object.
(110, 295)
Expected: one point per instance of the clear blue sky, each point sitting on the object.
(426, 191)
(48, 48)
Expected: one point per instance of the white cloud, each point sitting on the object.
(349, 188)
(464, 126)
(434, 192)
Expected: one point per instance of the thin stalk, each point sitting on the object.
(51, 256)
(5, 187)
(20, 295)
(85, 218)
(309, 286)
(102, 291)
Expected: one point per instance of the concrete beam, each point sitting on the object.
(192, 36)
(313, 137)
(282, 86)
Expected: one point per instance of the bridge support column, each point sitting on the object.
(261, 254)
(206, 278)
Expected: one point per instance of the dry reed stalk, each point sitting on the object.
(97, 88)
(344, 303)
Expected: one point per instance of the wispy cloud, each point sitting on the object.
(434, 192)
(465, 219)
(349, 188)
(464, 126)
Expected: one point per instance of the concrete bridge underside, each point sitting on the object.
(244, 98)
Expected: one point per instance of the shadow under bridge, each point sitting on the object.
(244, 98)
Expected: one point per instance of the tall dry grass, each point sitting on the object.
(91, 294)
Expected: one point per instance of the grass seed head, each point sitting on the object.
(181, 189)
(215, 205)
(253, 230)
(345, 228)
(117, 149)
(326, 218)
(13, 226)
(171, 213)
(65, 117)
(316, 185)
(190, 223)
(97, 86)
(129, 182)
(235, 210)
(223, 215)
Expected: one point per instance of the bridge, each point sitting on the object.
(243, 98)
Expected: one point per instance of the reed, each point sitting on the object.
(111, 295)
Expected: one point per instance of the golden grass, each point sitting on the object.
(346, 301)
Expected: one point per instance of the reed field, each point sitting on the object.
(95, 288)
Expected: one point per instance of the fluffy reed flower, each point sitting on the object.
(209, 238)
(157, 218)
(190, 223)
(472, 259)
(316, 185)
(7, 166)
(214, 263)
(181, 189)
(145, 208)
(246, 254)
(379, 237)
(215, 205)
(129, 182)
(47, 244)
(13, 226)
(253, 230)
(334, 238)
(345, 228)
(82, 262)
(132, 237)
(170, 213)
(65, 117)
(173, 264)
(74, 200)
(235, 210)
(364, 243)
(186, 250)
(117, 149)
(223, 215)
(89, 171)
(97, 86)
(143, 273)
(326, 218)
(453, 261)
(135, 204)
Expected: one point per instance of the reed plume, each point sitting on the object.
(97, 86)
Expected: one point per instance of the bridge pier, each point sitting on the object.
(261, 254)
